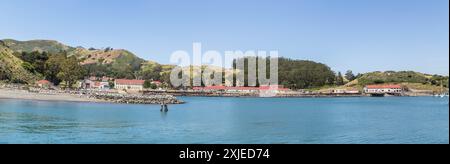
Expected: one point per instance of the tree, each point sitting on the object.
(53, 67)
(350, 76)
(148, 84)
(70, 72)
(35, 61)
(339, 79)
(298, 74)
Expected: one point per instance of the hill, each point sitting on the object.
(86, 56)
(410, 79)
(103, 62)
(49, 46)
(11, 67)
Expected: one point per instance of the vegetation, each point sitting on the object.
(48, 46)
(33, 61)
(350, 76)
(339, 79)
(402, 77)
(70, 71)
(25, 62)
(149, 85)
(11, 67)
(53, 67)
(151, 71)
(299, 74)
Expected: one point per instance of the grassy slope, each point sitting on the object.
(118, 58)
(37, 45)
(12, 67)
(409, 79)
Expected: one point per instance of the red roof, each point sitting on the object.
(129, 82)
(238, 88)
(43, 82)
(384, 87)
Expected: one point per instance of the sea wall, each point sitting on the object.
(137, 99)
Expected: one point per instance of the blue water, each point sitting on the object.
(230, 121)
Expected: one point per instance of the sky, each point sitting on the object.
(358, 35)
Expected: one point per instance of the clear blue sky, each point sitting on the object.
(361, 35)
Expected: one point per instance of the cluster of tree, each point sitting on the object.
(125, 71)
(150, 71)
(301, 74)
(438, 80)
(149, 85)
(297, 74)
(126, 66)
(56, 68)
(34, 62)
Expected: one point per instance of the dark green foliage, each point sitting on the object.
(34, 61)
(70, 72)
(339, 79)
(302, 74)
(53, 67)
(149, 85)
(151, 71)
(350, 76)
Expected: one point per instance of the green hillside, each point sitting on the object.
(87, 56)
(409, 79)
(49, 46)
(11, 67)
(105, 62)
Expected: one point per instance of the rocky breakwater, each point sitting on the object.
(137, 99)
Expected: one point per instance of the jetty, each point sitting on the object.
(137, 99)
(33, 93)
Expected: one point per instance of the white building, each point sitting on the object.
(125, 84)
(382, 89)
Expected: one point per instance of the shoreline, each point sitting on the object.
(76, 96)
(13, 94)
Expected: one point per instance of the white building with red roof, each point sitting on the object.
(278, 88)
(383, 89)
(127, 84)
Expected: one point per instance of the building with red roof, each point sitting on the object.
(383, 89)
(44, 84)
(241, 89)
(129, 84)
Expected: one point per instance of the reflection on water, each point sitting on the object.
(230, 120)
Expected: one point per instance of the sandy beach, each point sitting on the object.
(25, 95)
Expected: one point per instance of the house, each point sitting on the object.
(126, 84)
(346, 91)
(383, 89)
(339, 91)
(44, 84)
(94, 82)
(100, 85)
(241, 89)
(87, 84)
